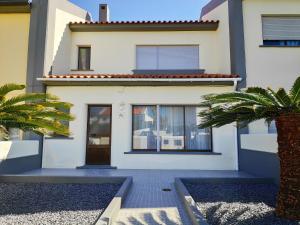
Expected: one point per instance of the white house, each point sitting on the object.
(136, 86)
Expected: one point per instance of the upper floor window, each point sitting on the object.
(84, 58)
(281, 30)
(167, 57)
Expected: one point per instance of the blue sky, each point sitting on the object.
(132, 10)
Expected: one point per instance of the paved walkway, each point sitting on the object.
(147, 203)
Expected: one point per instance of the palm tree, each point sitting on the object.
(37, 112)
(257, 103)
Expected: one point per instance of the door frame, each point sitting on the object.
(88, 127)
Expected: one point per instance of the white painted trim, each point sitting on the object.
(158, 128)
(140, 79)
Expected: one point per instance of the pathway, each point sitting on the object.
(147, 203)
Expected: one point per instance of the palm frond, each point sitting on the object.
(283, 97)
(295, 92)
(37, 112)
(248, 105)
(5, 89)
(28, 97)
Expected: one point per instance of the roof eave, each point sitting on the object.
(18, 6)
(143, 27)
(138, 81)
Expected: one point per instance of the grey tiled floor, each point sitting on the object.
(146, 203)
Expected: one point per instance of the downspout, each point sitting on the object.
(236, 134)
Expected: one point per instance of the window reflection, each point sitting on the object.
(144, 128)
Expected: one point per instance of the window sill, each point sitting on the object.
(80, 70)
(169, 71)
(274, 46)
(59, 138)
(171, 153)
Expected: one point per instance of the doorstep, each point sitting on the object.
(96, 167)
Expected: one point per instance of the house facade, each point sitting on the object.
(136, 86)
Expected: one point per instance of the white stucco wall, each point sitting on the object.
(71, 153)
(58, 39)
(271, 66)
(115, 52)
(16, 149)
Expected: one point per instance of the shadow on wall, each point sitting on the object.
(61, 61)
(20, 165)
(259, 163)
(19, 156)
(62, 36)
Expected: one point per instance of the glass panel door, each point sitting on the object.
(98, 135)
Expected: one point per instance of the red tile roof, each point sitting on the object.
(149, 22)
(139, 76)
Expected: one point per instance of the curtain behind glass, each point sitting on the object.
(167, 57)
(84, 58)
(144, 128)
(171, 128)
(195, 138)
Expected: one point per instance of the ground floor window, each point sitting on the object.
(165, 128)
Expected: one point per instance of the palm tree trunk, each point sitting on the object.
(288, 200)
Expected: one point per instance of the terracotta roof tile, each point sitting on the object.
(139, 76)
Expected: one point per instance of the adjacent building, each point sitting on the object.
(264, 45)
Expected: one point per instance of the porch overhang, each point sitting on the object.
(140, 80)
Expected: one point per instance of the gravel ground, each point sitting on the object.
(237, 204)
(48, 204)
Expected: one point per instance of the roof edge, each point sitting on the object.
(145, 26)
(15, 6)
(211, 6)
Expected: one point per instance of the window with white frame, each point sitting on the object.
(167, 57)
(281, 30)
(165, 128)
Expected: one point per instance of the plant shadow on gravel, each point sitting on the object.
(217, 216)
(237, 203)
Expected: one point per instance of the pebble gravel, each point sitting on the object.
(237, 204)
(51, 204)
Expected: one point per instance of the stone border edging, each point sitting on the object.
(111, 212)
(60, 179)
(189, 204)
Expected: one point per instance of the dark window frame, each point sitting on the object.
(169, 150)
(79, 66)
(280, 43)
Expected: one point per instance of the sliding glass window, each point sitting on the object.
(178, 129)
